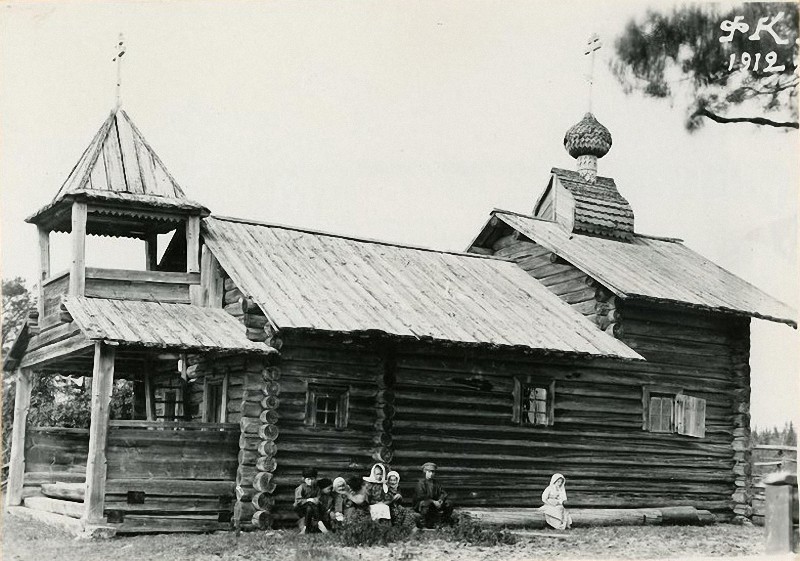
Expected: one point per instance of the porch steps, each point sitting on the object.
(64, 491)
(72, 509)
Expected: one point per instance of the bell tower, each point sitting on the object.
(119, 188)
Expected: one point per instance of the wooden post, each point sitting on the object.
(77, 272)
(16, 467)
(151, 252)
(211, 280)
(779, 509)
(44, 265)
(193, 244)
(149, 396)
(102, 384)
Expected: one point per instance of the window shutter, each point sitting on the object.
(699, 428)
(680, 413)
(551, 404)
(517, 404)
(666, 414)
(693, 418)
(342, 410)
(655, 414)
(311, 409)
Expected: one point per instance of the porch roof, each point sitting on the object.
(160, 325)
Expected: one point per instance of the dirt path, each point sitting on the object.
(26, 541)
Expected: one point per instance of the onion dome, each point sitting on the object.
(587, 138)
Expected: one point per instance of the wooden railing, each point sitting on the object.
(120, 284)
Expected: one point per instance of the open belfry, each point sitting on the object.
(562, 340)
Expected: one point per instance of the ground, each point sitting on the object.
(23, 541)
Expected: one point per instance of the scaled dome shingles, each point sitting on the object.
(588, 137)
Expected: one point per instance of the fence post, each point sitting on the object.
(779, 512)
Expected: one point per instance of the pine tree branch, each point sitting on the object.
(703, 112)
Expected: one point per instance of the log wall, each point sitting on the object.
(54, 454)
(161, 476)
(569, 283)
(411, 403)
(704, 354)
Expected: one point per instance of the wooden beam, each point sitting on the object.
(211, 280)
(77, 273)
(44, 264)
(151, 252)
(102, 384)
(72, 345)
(149, 395)
(16, 468)
(192, 244)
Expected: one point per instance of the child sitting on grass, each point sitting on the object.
(307, 504)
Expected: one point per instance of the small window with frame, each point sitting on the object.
(534, 403)
(215, 399)
(669, 410)
(327, 406)
(214, 409)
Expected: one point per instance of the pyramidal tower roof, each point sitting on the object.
(119, 166)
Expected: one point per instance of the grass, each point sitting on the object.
(25, 541)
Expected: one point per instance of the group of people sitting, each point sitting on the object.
(325, 504)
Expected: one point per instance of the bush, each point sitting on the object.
(467, 529)
(363, 531)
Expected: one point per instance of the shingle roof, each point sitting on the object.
(655, 269)
(156, 324)
(310, 280)
(599, 208)
(120, 164)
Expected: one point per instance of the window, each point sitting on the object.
(170, 401)
(533, 402)
(215, 398)
(215, 412)
(327, 406)
(669, 410)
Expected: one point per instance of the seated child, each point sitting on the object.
(554, 497)
(430, 498)
(306, 502)
(377, 491)
(325, 486)
(401, 516)
(346, 502)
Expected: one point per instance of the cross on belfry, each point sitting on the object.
(592, 46)
(119, 51)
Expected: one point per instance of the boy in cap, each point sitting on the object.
(306, 502)
(430, 498)
(325, 486)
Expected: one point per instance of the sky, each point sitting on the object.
(404, 121)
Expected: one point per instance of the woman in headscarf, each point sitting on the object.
(554, 497)
(346, 502)
(401, 516)
(377, 491)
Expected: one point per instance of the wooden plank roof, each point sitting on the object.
(160, 325)
(657, 269)
(311, 280)
(119, 164)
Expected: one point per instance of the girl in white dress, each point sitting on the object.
(554, 498)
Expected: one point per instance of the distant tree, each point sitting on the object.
(17, 301)
(790, 436)
(681, 51)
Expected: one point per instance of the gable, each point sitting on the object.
(654, 269)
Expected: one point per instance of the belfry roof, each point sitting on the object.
(119, 166)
